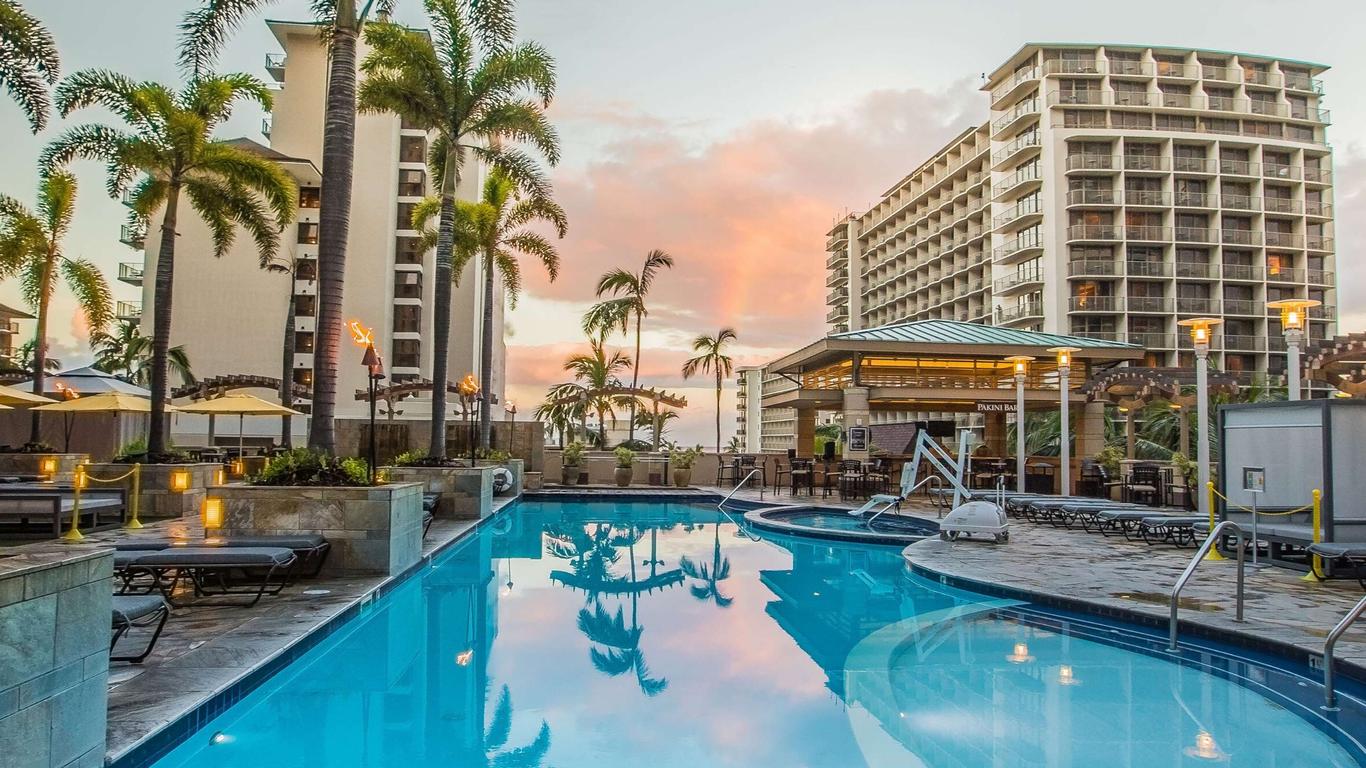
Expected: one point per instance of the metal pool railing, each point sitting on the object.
(1330, 696)
(1211, 540)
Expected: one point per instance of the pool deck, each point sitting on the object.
(206, 650)
(1057, 564)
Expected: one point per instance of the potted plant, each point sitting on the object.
(682, 461)
(1109, 457)
(623, 471)
(571, 459)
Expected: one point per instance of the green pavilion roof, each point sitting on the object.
(956, 332)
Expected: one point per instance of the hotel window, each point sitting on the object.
(1078, 92)
(412, 149)
(1213, 69)
(1299, 133)
(310, 197)
(404, 220)
(1219, 98)
(308, 233)
(1263, 103)
(306, 269)
(303, 342)
(1258, 128)
(1092, 294)
(1217, 125)
(1125, 62)
(1234, 362)
(1279, 264)
(1093, 326)
(1141, 120)
(1192, 256)
(407, 318)
(407, 285)
(1256, 72)
(303, 377)
(412, 183)
(407, 353)
(1129, 93)
(1185, 123)
(1076, 118)
(406, 250)
(305, 306)
(1141, 289)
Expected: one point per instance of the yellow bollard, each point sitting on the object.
(1213, 553)
(1315, 562)
(74, 533)
(133, 522)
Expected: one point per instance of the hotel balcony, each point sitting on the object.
(1104, 232)
(1150, 234)
(1203, 165)
(128, 310)
(1241, 236)
(1241, 343)
(1146, 197)
(1194, 235)
(837, 314)
(1239, 168)
(1325, 312)
(1032, 310)
(1284, 275)
(1152, 340)
(1187, 305)
(1026, 210)
(266, 126)
(1244, 307)
(1094, 268)
(1105, 304)
(132, 236)
(1303, 83)
(1100, 198)
(1195, 200)
(1027, 108)
(1092, 162)
(1284, 240)
(1016, 282)
(1197, 270)
(130, 273)
(1239, 202)
(1318, 243)
(1320, 277)
(275, 65)
(1016, 149)
(1018, 248)
(1150, 305)
(1245, 272)
(1014, 85)
(1073, 67)
(1318, 209)
(1144, 268)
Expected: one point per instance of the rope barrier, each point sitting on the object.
(1314, 507)
(73, 534)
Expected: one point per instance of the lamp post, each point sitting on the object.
(1065, 425)
(375, 366)
(1200, 338)
(1020, 365)
(1293, 313)
(468, 388)
(511, 409)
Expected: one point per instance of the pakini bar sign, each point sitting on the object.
(995, 407)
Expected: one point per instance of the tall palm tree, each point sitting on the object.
(203, 35)
(496, 738)
(628, 291)
(28, 62)
(31, 247)
(657, 423)
(712, 358)
(169, 140)
(597, 372)
(23, 358)
(287, 265)
(467, 83)
(128, 354)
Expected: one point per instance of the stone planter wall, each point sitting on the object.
(54, 659)
(28, 463)
(372, 530)
(158, 501)
(466, 492)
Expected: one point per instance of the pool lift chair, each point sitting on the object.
(966, 518)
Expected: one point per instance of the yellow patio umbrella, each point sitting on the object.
(241, 405)
(105, 402)
(10, 397)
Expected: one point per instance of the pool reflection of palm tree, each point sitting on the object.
(496, 737)
(709, 575)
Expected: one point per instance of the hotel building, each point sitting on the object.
(231, 315)
(1114, 190)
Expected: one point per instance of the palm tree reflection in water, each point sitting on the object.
(496, 738)
(718, 571)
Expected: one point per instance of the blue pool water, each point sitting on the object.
(620, 634)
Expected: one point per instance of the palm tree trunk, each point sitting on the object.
(486, 355)
(161, 324)
(718, 411)
(635, 378)
(40, 342)
(334, 224)
(287, 370)
(441, 308)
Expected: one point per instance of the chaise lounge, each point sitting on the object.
(237, 571)
(131, 611)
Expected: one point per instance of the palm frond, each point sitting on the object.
(30, 62)
(207, 29)
(93, 296)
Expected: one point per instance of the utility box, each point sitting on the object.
(1291, 449)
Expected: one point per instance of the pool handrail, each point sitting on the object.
(1211, 540)
(722, 504)
(1330, 696)
(906, 494)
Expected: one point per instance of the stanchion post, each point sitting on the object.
(1315, 562)
(74, 534)
(135, 503)
(1213, 553)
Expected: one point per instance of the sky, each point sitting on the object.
(730, 134)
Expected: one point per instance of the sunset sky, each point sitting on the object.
(730, 134)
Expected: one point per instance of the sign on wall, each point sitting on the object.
(858, 439)
(995, 407)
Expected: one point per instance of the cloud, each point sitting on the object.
(745, 216)
(1349, 192)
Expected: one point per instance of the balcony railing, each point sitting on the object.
(1194, 200)
(1147, 163)
(1319, 277)
(1025, 207)
(1180, 101)
(1193, 164)
(1246, 307)
(1093, 232)
(130, 273)
(1017, 245)
(1021, 143)
(1238, 202)
(1081, 162)
(1324, 312)
(1093, 268)
(1150, 304)
(128, 310)
(1019, 312)
(1241, 343)
(1264, 107)
(1142, 268)
(1091, 197)
(1150, 233)
(1197, 270)
(1022, 175)
(1303, 83)
(1197, 306)
(1319, 209)
(1318, 175)
(1018, 279)
(1148, 197)
(1015, 81)
(1280, 171)
(1194, 235)
(1215, 72)
(132, 236)
(1241, 236)
(1281, 205)
(1252, 272)
(1152, 340)
(1283, 240)
(1096, 304)
(1284, 275)
(1027, 107)
(1261, 77)
(1318, 243)
(1239, 168)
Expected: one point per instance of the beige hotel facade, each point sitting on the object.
(231, 315)
(1112, 191)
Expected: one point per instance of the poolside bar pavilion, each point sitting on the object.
(943, 366)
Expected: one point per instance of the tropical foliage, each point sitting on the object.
(596, 372)
(29, 63)
(304, 466)
(126, 353)
(168, 142)
(712, 358)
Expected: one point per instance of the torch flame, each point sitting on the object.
(66, 391)
(362, 336)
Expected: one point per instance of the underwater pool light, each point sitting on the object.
(1019, 655)
(218, 737)
(1205, 748)
(1065, 676)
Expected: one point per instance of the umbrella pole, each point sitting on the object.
(241, 442)
(211, 418)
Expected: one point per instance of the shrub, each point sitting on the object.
(302, 466)
(624, 457)
(410, 458)
(685, 458)
(573, 454)
(135, 450)
(1109, 457)
(639, 446)
(30, 448)
(1185, 465)
(493, 455)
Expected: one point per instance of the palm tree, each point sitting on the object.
(203, 35)
(28, 62)
(712, 358)
(628, 291)
(171, 144)
(128, 354)
(658, 424)
(496, 738)
(31, 247)
(563, 408)
(287, 265)
(710, 576)
(598, 372)
(474, 104)
(24, 358)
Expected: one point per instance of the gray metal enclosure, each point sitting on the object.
(1301, 446)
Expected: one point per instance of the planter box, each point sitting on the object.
(31, 464)
(466, 492)
(158, 501)
(534, 481)
(372, 530)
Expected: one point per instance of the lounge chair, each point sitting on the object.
(137, 611)
(312, 548)
(30, 510)
(1347, 553)
(1169, 529)
(213, 571)
(1127, 519)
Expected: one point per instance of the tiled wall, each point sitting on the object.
(54, 662)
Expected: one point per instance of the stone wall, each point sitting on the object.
(28, 464)
(158, 501)
(54, 659)
(372, 530)
(466, 492)
(524, 440)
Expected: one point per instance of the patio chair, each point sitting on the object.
(1344, 553)
(748, 463)
(1169, 529)
(214, 571)
(802, 472)
(1094, 479)
(726, 470)
(130, 611)
(312, 548)
(1144, 482)
(851, 479)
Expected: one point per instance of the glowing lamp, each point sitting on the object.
(1020, 364)
(81, 480)
(180, 480)
(1019, 655)
(212, 512)
(468, 386)
(1293, 312)
(220, 476)
(1064, 355)
(239, 467)
(1202, 329)
(1205, 748)
(47, 466)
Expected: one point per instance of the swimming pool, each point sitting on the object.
(577, 634)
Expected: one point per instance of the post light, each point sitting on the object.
(375, 374)
(1020, 365)
(239, 467)
(1066, 676)
(47, 466)
(81, 480)
(180, 480)
(1201, 328)
(212, 512)
(220, 476)
(1294, 312)
(1065, 425)
(511, 409)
